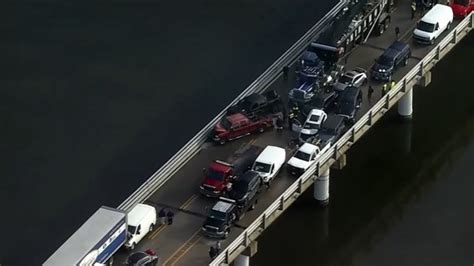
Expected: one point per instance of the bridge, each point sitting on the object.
(175, 185)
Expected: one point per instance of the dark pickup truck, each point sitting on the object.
(268, 102)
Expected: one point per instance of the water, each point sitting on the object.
(95, 96)
(408, 203)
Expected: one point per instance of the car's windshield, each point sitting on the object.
(462, 2)
(303, 156)
(132, 229)
(217, 215)
(213, 222)
(261, 167)
(345, 79)
(215, 175)
(385, 60)
(311, 126)
(225, 123)
(424, 26)
(314, 118)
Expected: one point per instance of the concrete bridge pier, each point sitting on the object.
(321, 189)
(242, 260)
(405, 105)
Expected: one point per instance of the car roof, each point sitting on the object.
(222, 206)
(137, 213)
(236, 118)
(333, 121)
(391, 53)
(398, 45)
(308, 148)
(248, 176)
(432, 16)
(268, 154)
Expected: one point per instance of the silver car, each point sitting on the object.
(355, 77)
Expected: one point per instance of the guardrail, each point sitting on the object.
(343, 144)
(193, 146)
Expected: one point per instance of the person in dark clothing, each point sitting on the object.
(413, 9)
(212, 252)
(170, 216)
(370, 92)
(162, 216)
(285, 71)
(279, 123)
(397, 32)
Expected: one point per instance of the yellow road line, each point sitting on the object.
(157, 231)
(189, 201)
(183, 249)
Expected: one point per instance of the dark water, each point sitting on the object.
(405, 197)
(96, 95)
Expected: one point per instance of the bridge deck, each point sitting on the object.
(182, 243)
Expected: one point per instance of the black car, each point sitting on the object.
(258, 104)
(220, 219)
(332, 128)
(142, 258)
(245, 190)
(323, 99)
(394, 56)
(349, 103)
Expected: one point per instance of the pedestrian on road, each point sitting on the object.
(218, 246)
(392, 84)
(371, 91)
(162, 216)
(413, 9)
(212, 252)
(397, 32)
(384, 89)
(286, 69)
(279, 123)
(170, 216)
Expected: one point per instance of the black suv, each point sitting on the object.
(394, 56)
(220, 219)
(332, 128)
(244, 191)
(349, 103)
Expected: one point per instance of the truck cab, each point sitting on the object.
(220, 218)
(461, 8)
(218, 177)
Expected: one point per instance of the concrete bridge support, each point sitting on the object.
(405, 105)
(242, 260)
(321, 189)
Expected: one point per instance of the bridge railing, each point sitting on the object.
(355, 132)
(193, 146)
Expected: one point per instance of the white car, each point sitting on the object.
(355, 77)
(269, 163)
(312, 124)
(304, 157)
(141, 220)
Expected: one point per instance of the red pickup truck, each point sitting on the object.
(238, 125)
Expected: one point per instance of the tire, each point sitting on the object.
(381, 28)
(151, 227)
(222, 141)
(261, 129)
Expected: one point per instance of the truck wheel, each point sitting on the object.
(151, 227)
(222, 141)
(261, 129)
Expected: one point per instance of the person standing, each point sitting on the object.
(370, 92)
(218, 246)
(212, 253)
(170, 216)
(392, 84)
(384, 89)
(397, 32)
(413, 9)
(162, 216)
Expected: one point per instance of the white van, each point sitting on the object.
(433, 23)
(141, 220)
(269, 162)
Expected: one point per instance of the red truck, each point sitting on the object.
(219, 176)
(462, 8)
(238, 125)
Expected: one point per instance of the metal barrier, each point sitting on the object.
(343, 144)
(193, 146)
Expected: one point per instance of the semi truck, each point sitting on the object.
(218, 177)
(95, 241)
